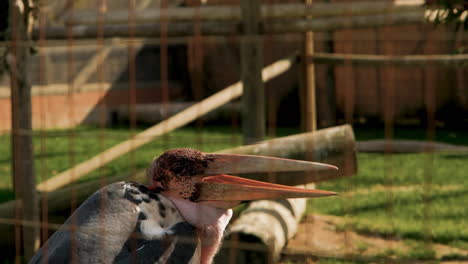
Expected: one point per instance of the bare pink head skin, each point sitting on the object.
(198, 185)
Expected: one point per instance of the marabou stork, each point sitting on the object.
(180, 218)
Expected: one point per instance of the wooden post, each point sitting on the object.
(17, 58)
(310, 112)
(253, 99)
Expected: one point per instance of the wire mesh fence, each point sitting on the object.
(110, 85)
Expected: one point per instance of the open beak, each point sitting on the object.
(225, 191)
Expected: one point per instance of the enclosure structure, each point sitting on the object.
(122, 63)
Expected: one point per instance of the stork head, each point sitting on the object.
(197, 177)
(199, 186)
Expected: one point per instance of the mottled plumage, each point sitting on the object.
(141, 226)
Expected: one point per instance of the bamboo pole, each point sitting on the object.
(458, 60)
(178, 120)
(225, 13)
(211, 28)
(310, 102)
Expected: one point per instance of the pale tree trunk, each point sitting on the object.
(20, 28)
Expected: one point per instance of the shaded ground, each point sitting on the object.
(320, 236)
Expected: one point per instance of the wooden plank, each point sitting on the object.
(178, 120)
(90, 68)
(253, 99)
(211, 28)
(271, 11)
(458, 60)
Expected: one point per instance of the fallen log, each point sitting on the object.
(335, 145)
(263, 229)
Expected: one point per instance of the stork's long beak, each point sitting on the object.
(221, 190)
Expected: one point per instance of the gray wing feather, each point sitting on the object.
(100, 230)
(96, 231)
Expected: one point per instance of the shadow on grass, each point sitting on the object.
(454, 156)
(6, 195)
(407, 201)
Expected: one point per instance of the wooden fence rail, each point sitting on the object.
(225, 13)
(216, 28)
(458, 60)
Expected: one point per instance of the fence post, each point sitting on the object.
(20, 18)
(253, 99)
(310, 107)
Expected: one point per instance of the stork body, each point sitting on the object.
(180, 218)
(123, 222)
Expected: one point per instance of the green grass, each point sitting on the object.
(414, 197)
(410, 196)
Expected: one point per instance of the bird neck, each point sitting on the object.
(209, 221)
(210, 237)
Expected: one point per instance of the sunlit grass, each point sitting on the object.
(409, 196)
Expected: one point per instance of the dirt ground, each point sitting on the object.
(318, 237)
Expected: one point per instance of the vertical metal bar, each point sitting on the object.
(195, 57)
(43, 134)
(102, 107)
(132, 76)
(389, 102)
(164, 75)
(101, 7)
(270, 107)
(308, 92)
(430, 79)
(270, 95)
(253, 98)
(349, 102)
(326, 101)
(71, 132)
